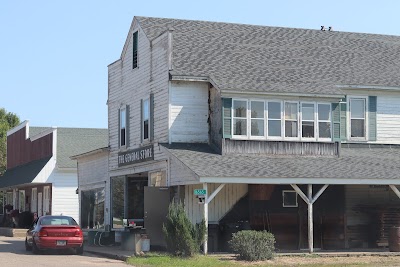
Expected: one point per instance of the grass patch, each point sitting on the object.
(158, 259)
(164, 259)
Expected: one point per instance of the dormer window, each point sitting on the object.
(278, 120)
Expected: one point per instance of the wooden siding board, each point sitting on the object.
(127, 86)
(21, 150)
(388, 119)
(220, 205)
(189, 112)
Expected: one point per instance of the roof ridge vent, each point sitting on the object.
(322, 28)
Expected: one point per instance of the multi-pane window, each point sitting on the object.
(257, 118)
(239, 117)
(357, 117)
(307, 120)
(274, 119)
(281, 120)
(122, 126)
(291, 117)
(324, 121)
(135, 50)
(146, 118)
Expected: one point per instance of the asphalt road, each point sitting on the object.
(13, 254)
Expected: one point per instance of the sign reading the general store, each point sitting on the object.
(135, 156)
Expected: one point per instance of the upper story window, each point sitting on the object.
(239, 117)
(122, 127)
(145, 120)
(134, 50)
(281, 120)
(357, 110)
(257, 118)
(291, 119)
(274, 119)
(324, 121)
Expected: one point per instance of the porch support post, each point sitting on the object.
(309, 199)
(395, 190)
(310, 221)
(205, 246)
(211, 197)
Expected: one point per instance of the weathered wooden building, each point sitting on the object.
(294, 131)
(40, 176)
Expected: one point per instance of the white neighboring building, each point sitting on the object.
(41, 177)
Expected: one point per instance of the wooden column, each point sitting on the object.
(309, 199)
(310, 220)
(205, 246)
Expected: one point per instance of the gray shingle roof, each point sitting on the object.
(75, 141)
(355, 162)
(273, 59)
(23, 174)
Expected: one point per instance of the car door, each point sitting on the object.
(29, 233)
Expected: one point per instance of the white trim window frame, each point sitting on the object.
(273, 119)
(306, 121)
(34, 200)
(146, 119)
(291, 119)
(323, 120)
(10, 198)
(351, 103)
(122, 126)
(285, 192)
(256, 122)
(46, 200)
(238, 118)
(21, 200)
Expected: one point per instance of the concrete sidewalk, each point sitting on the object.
(112, 252)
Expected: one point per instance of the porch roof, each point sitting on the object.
(23, 174)
(357, 164)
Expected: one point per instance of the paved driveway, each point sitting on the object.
(13, 254)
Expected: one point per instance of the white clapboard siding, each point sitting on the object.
(218, 207)
(93, 174)
(189, 112)
(388, 119)
(64, 199)
(356, 195)
(128, 86)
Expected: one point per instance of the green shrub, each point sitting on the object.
(253, 245)
(182, 237)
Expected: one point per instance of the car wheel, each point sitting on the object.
(35, 249)
(27, 247)
(79, 251)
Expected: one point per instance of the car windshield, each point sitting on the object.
(58, 221)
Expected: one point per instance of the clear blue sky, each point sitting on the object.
(54, 54)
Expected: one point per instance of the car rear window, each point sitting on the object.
(58, 221)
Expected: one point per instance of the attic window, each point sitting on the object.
(135, 50)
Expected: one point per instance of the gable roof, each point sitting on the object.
(249, 58)
(357, 164)
(75, 141)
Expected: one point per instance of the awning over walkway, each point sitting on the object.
(357, 164)
(23, 174)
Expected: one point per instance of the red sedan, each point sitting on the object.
(54, 232)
